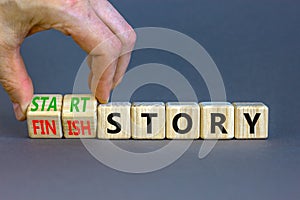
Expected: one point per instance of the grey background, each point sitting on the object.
(255, 44)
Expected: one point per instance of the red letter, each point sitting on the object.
(75, 122)
(53, 127)
(42, 127)
(88, 127)
(70, 127)
(73, 125)
(35, 127)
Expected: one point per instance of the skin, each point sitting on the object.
(95, 25)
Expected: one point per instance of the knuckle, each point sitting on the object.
(128, 37)
(117, 44)
(10, 86)
(113, 48)
(18, 86)
(131, 38)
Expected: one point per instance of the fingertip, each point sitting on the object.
(101, 89)
(103, 101)
(20, 113)
(102, 98)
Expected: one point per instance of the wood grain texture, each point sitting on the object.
(211, 114)
(79, 116)
(119, 112)
(139, 127)
(242, 127)
(182, 120)
(44, 116)
(75, 116)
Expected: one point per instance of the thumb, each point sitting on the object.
(15, 80)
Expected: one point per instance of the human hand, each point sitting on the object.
(94, 25)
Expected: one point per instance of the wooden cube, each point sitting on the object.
(251, 120)
(182, 120)
(148, 120)
(217, 120)
(44, 116)
(79, 116)
(114, 121)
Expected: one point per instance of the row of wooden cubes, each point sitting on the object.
(80, 116)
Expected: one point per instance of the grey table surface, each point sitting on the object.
(255, 45)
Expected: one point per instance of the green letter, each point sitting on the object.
(84, 103)
(44, 101)
(35, 104)
(74, 103)
(52, 104)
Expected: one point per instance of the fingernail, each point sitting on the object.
(19, 112)
(107, 100)
(104, 101)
